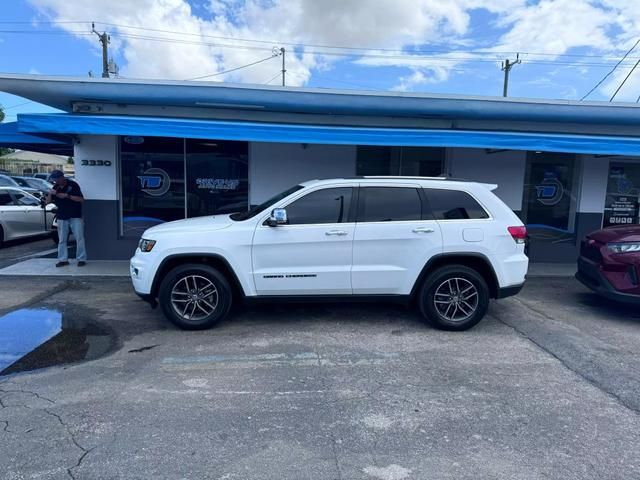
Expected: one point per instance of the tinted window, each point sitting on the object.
(22, 199)
(454, 205)
(389, 204)
(20, 181)
(5, 198)
(322, 206)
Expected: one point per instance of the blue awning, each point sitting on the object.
(10, 137)
(322, 134)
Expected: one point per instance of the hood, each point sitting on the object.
(628, 233)
(200, 224)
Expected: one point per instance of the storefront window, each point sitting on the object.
(549, 202)
(217, 177)
(408, 161)
(623, 188)
(152, 182)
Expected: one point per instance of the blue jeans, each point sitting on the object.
(77, 227)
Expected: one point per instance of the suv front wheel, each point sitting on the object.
(195, 297)
(454, 297)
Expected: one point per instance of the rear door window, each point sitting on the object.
(454, 205)
(389, 204)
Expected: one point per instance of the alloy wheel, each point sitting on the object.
(194, 298)
(456, 299)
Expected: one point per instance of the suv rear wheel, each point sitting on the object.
(195, 297)
(454, 297)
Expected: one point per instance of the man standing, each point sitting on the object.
(67, 196)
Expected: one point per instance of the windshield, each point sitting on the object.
(240, 216)
(38, 183)
(21, 181)
(7, 182)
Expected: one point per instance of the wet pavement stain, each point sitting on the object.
(33, 338)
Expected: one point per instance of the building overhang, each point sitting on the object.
(10, 137)
(80, 95)
(74, 124)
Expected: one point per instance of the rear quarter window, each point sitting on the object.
(454, 205)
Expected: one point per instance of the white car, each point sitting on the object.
(22, 215)
(449, 246)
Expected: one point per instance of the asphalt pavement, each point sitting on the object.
(14, 251)
(544, 387)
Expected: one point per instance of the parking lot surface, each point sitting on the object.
(545, 387)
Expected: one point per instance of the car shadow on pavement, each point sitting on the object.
(610, 309)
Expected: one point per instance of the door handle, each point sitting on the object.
(423, 230)
(335, 232)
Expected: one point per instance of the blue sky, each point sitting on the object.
(566, 46)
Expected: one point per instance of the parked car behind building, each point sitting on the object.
(22, 215)
(7, 181)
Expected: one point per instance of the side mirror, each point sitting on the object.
(278, 217)
(43, 202)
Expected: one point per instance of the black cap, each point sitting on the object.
(56, 174)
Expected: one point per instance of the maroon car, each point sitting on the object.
(609, 263)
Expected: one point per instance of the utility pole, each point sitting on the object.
(284, 70)
(104, 40)
(506, 68)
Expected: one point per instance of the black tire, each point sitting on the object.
(1, 237)
(439, 296)
(174, 284)
(54, 237)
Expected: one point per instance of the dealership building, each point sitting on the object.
(147, 152)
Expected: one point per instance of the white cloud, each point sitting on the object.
(388, 23)
(546, 26)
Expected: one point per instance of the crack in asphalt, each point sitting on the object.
(619, 400)
(85, 451)
(29, 392)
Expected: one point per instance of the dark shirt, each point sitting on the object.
(68, 208)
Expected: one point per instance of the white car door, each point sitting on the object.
(33, 213)
(395, 236)
(12, 216)
(311, 254)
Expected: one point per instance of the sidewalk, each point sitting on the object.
(46, 267)
(120, 268)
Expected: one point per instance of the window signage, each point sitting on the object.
(218, 183)
(621, 205)
(155, 182)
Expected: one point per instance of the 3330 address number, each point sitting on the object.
(96, 163)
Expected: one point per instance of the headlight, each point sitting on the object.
(624, 247)
(146, 245)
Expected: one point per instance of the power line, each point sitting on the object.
(612, 70)
(624, 81)
(277, 75)
(408, 53)
(17, 105)
(341, 54)
(551, 54)
(233, 69)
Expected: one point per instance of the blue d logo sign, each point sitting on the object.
(155, 182)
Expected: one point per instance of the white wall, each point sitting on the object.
(506, 169)
(595, 173)
(274, 167)
(97, 182)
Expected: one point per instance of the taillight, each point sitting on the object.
(519, 234)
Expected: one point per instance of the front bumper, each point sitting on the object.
(591, 277)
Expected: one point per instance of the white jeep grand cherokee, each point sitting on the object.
(447, 246)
